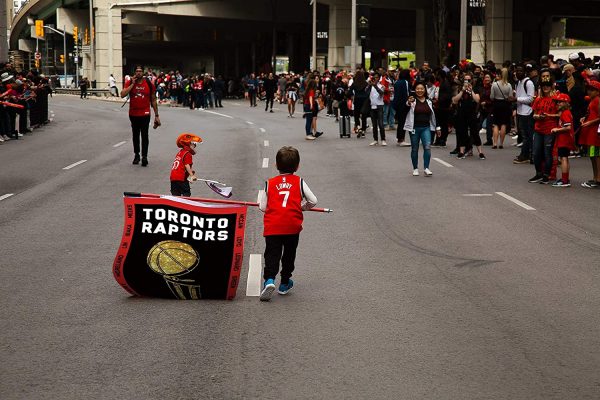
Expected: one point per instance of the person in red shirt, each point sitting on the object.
(545, 114)
(283, 200)
(181, 171)
(590, 133)
(565, 138)
(142, 95)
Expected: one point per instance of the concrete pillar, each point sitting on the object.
(424, 46)
(498, 35)
(339, 36)
(109, 45)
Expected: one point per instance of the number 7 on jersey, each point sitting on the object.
(285, 194)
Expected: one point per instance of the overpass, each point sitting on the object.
(234, 37)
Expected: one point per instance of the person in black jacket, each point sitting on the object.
(270, 87)
(444, 106)
(401, 94)
(219, 91)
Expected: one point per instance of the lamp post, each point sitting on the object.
(314, 33)
(64, 35)
(353, 37)
(462, 53)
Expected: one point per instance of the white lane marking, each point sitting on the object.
(74, 164)
(517, 202)
(263, 130)
(258, 197)
(119, 144)
(250, 123)
(265, 163)
(216, 113)
(477, 195)
(6, 196)
(254, 275)
(444, 163)
(266, 143)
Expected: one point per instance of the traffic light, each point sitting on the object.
(62, 58)
(37, 63)
(75, 33)
(39, 27)
(86, 37)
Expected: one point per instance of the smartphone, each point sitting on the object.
(412, 93)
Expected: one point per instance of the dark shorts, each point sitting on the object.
(180, 188)
(563, 152)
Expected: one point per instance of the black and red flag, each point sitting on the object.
(179, 248)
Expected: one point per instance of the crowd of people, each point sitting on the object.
(551, 107)
(23, 102)
(196, 91)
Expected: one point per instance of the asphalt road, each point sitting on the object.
(410, 290)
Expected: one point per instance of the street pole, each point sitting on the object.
(314, 34)
(462, 53)
(91, 38)
(65, 56)
(353, 37)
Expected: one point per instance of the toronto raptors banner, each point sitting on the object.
(179, 248)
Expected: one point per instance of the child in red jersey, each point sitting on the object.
(285, 197)
(565, 138)
(182, 166)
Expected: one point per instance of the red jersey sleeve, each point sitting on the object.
(187, 159)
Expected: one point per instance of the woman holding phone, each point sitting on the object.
(420, 122)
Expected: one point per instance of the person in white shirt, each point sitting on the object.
(376, 98)
(112, 83)
(525, 93)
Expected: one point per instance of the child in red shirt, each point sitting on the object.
(285, 197)
(181, 171)
(565, 138)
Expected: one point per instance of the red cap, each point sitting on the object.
(562, 97)
(594, 84)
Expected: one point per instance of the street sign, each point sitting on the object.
(38, 55)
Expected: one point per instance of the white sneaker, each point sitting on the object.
(404, 144)
(415, 172)
(428, 172)
(383, 143)
(375, 143)
(310, 137)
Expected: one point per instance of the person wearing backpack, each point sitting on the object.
(142, 95)
(525, 93)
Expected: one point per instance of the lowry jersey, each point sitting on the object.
(283, 214)
(178, 171)
(139, 97)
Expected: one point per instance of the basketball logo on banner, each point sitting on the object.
(177, 248)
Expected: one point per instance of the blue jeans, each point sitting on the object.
(388, 115)
(424, 135)
(542, 153)
(308, 116)
(525, 128)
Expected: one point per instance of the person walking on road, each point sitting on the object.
(376, 93)
(420, 122)
(283, 200)
(142, 96)
(112, 83)
(502, 97)
(270, 86)
(83, 87)
(251, 88)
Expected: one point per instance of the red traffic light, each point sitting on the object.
(449, 45)
(383, 50)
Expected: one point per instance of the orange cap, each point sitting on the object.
(185, 139)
